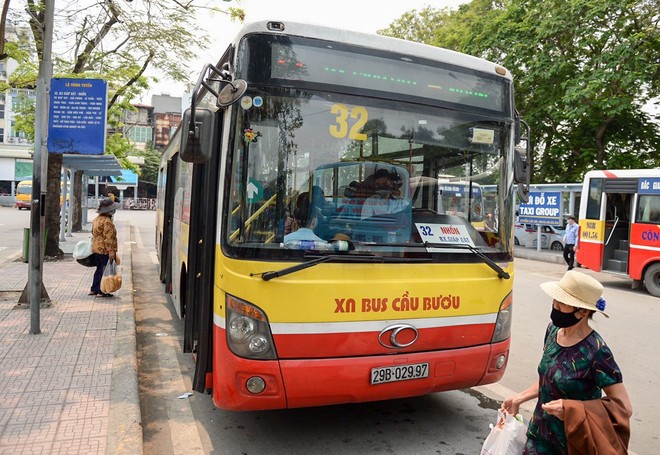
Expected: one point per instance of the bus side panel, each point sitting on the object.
(591, 244)
(644, 248)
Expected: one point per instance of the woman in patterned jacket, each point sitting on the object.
(104, 242)
(576, 364)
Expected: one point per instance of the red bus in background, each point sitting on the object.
(620, 224)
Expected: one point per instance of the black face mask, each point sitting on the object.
(563, 320)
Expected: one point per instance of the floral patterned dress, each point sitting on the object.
(578, 372)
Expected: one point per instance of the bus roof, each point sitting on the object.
(374, 42)
(622, 173)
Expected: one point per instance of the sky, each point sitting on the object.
(367, 16)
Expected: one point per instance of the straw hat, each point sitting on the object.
(107, 205)
(577, 290)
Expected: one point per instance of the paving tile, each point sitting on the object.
(82, 428)
(79, 446)
(28, 433)
(28, 449)
(52, 383)
(84, 381)
(85, 410)
(37, 414)
(40, 398)
(87, 394)
(54, 360)
(15, 385)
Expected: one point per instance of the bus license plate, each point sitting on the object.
(399, 373)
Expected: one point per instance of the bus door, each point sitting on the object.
(618, 198)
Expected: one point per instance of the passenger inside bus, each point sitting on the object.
(306, 217)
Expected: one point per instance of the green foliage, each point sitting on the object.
(149, 170)
(582, 70)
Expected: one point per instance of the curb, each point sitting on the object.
(125, 419)
(10, 259)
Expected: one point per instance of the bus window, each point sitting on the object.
(593, 201)
(649, 209)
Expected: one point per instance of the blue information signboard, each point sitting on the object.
(648, 185)
(542, 208)
(77, 116)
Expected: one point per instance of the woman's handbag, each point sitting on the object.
(507, 436)
(111, 280)
(83, 249)
(82, 253)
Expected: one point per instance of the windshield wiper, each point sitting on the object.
(492, 264)
(267, 276)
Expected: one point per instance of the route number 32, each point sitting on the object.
(358, 116)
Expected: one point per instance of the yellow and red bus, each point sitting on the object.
(392, 301)
(620, 225)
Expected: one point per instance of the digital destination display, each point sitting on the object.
(327, 65)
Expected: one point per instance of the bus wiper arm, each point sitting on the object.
(267, 276)
(492, 264)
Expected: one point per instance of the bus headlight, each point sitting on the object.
(258, 344)
(248, 331)
(241, 328)
(504, 319)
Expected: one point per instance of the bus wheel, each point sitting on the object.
(652, 279)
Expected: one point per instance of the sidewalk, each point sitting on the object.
(72, 389)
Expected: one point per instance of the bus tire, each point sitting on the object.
(652, 279)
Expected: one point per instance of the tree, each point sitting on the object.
(583, 70)
(149, 170)
(117, 41)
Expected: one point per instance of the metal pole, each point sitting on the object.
(40, 166)
(65, 175)
(69, 208)
(85, 200)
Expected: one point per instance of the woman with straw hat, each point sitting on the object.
(104, 242)
(576, 364)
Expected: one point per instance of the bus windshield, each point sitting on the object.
(24, 189)
(309, 168)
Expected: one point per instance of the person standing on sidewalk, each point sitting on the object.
(570, 242)
(104, 242)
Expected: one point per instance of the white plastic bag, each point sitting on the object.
(83, 249)
(507, 436)
(111, 279)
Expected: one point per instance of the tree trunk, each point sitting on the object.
(53, 190)
(78, 192)
(600, 143)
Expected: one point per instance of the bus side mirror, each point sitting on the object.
(522, 168)
(196, 138)
(522, 172)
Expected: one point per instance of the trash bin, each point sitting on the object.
(26, 243)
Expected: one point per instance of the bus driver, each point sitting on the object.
(387, 195)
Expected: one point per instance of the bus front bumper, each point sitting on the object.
(320, 382)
